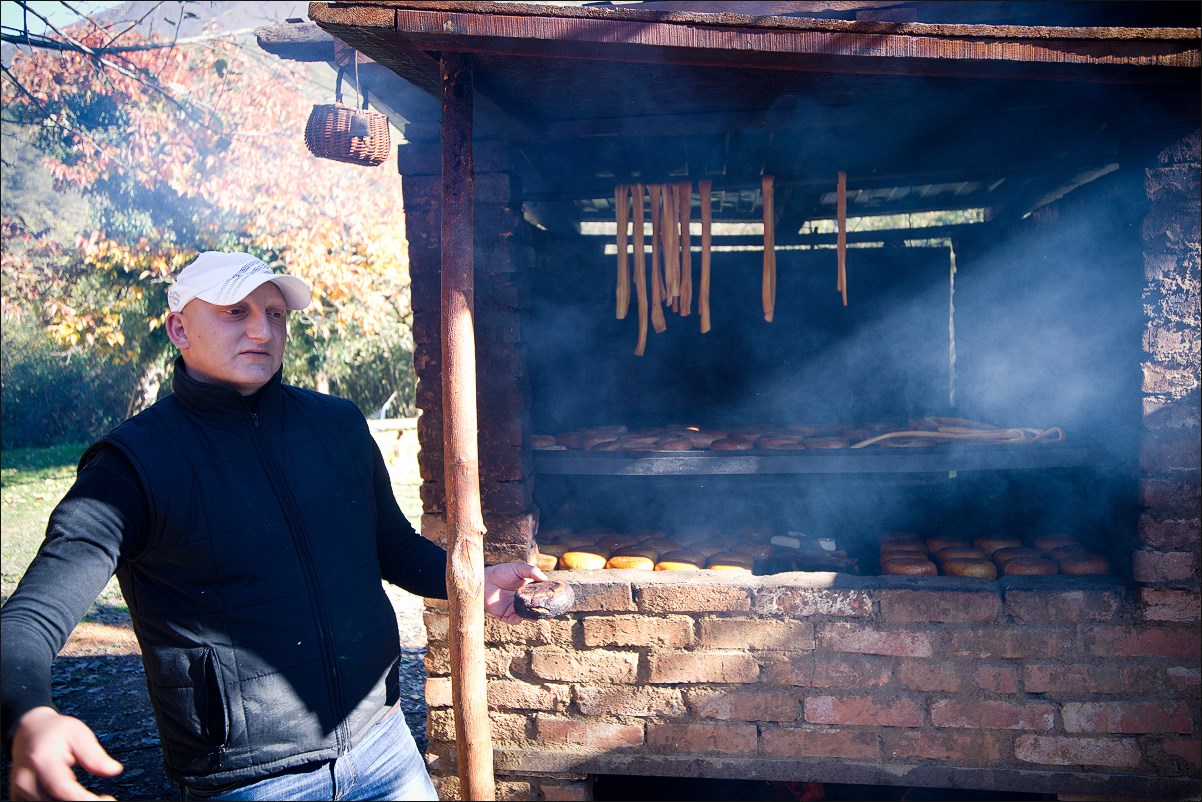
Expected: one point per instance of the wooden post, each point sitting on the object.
(465, 519)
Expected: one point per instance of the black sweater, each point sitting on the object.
(105, 525)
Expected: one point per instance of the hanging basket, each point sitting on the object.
(333, 132)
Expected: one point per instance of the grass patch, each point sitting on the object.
(32, 480)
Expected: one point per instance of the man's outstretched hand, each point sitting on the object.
(46, 747)
(500, 583)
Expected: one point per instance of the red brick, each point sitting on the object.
(932, 675)
(1050, 750)
(514, 694)
(508, 727)
(1127, 718)
(941, 606)
(626, 700)
(791, 601)
(672, 632)
(1184, 678)
(1067, 679)
(1188, 749)
(557, 790)
(554, 664)
(560, 791)
(1010, 643)
(760, 704)
(702, 739)
(504, 662)
(863, 710)
(1174, 534)
(511, 791)
(681, 597)
(1171, 452)
(1171, 641)
(961, 748)
(1062, 605)
(589, 734)
(601, 596)
(531, 633)
(1157, 604)
(756, 633)
(840, 637)
(1172, 498)
(997, 678)
(993, 715)
(827, 670)
(791, 743)
(1172, 566)
(700, 667)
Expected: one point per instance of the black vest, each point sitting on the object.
(267, 637)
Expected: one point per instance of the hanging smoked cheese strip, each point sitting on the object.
(841, 204)
(671, 230)
(768, 290)
(640, 268)
(704, 188)
(685, 196)
(622, 212)
(657, 246)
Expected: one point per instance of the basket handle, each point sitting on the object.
(358, 89)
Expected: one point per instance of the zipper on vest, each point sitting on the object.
(298, 531)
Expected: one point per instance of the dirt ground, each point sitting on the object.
(98, 678)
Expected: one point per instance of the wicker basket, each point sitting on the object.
(328, 132)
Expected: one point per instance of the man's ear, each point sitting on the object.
(175, 330)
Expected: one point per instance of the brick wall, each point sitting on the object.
(839, 679)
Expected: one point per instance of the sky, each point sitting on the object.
(12, 16)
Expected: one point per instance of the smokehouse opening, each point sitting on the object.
(976, 393)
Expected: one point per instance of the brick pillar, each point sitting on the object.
(503, 389)
(1165, 563)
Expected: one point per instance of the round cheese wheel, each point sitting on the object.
(902, 547)
(909, 566)
(991, 544)
(726, 558)
(1084, 563)
(959, 553)
(577, 560)
(1005, 555)
(732, 444)
(938, 542)
(967, 566)
(1048, 542)
(632, 561)
(1028, 566)
(679, 560)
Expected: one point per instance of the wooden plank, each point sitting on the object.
(707, 42)
(461, 461)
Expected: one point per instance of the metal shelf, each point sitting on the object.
(872, 460)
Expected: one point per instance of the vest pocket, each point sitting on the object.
(191, 702)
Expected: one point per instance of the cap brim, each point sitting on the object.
(296, 292)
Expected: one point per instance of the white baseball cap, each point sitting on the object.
(226, 278)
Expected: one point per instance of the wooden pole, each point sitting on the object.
(465, 520)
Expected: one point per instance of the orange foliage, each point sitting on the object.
(223, 126)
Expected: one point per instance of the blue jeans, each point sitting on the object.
(384, 765)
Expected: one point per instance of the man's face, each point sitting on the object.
(239, 346)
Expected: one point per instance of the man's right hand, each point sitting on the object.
(46, 747)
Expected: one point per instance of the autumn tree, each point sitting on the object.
(189, 146)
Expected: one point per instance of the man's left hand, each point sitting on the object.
(500, 583)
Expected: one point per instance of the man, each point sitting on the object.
(249, 524)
